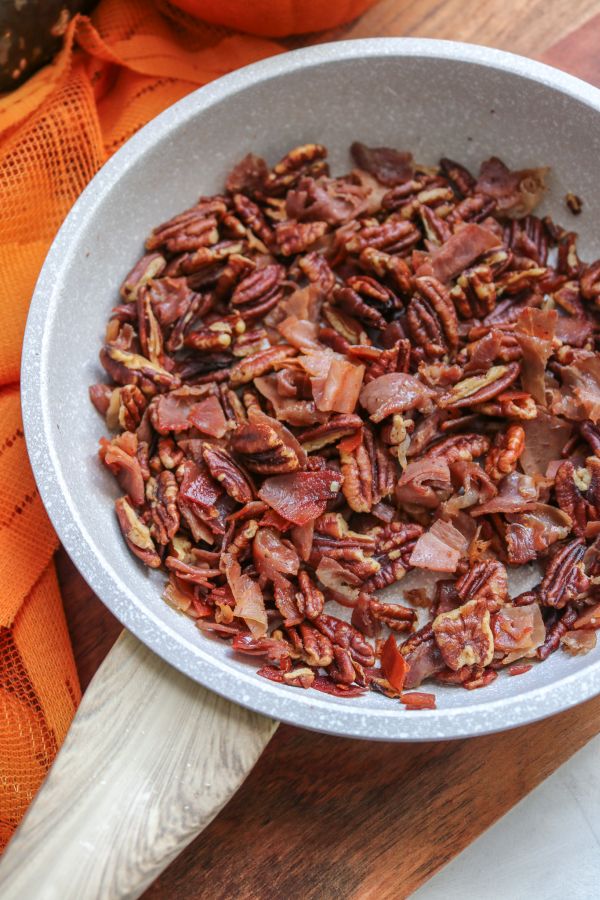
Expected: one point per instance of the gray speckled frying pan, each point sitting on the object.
(152, 754)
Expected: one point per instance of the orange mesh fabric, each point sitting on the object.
(115, 72)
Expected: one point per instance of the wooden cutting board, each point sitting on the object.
(324, 817)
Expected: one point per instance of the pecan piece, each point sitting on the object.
(258, 292)
(459, 177)
(307, 159)
(149, 266)
(509, 405)
(169, 454)
(431, 318)
(591, 433)
(480, 388)
(486, 582)
(387, 266)
(475, 293)
(330, 432)
(569, 485)
(342, 668)
(228, 473)
(317, 649)
(352, 303)
(436, 229)
(137, 535)
(310, 599)
(263, 449)
(196, 227)
(260, 363)
(397, 542)
(125, 367)
(296, 237)
(383, 362)
(394, 615)
(253, 217)
(347, 327)
(371, 291)
(131, 406)
(149, 333)
(565, 578)
(557, 624)
(369, 473)
(503, 457)
(344, 635)
(473, 209)
(465, 447)
(464, 635)
(303, 678)
(161, 493)
(250, 342)
(393, 236)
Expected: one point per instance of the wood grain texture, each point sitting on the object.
(520, 26)
(322, 816)
(150, 759)
(577, 53)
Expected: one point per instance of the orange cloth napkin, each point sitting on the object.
(116, 71)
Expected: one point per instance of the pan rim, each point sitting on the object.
(307, 709)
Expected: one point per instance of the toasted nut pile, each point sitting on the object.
(318, 384)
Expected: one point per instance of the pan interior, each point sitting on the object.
(450, 106)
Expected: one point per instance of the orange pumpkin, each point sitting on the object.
(275, 18)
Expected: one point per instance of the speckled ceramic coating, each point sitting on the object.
(432, 97)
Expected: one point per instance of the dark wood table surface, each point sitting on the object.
(326, 817)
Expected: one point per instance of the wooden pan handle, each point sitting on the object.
(150, 759)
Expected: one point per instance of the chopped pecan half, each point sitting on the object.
(393, 236)
(330, 432)
(571, 485)
(310, 599)
(263, 450)
(316, 649)
(396, 544)
(475, 293)
(258, 292)
(307, 159)
(557, 625)
(162, 493)
(228, 473)
(260, 363)
(297, 237)
(136, 534)
(355, 305)
(464, 635)
(480, 388)
(343, 635)
(369, 473)
(149, 266)
(503, 457)
(564, 579)
(126, 408)
(466, 447)
(431, 318)
(394, 615)
(486, 582)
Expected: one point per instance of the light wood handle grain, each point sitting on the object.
(150, 759)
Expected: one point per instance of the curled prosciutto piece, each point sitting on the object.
(301, 497)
